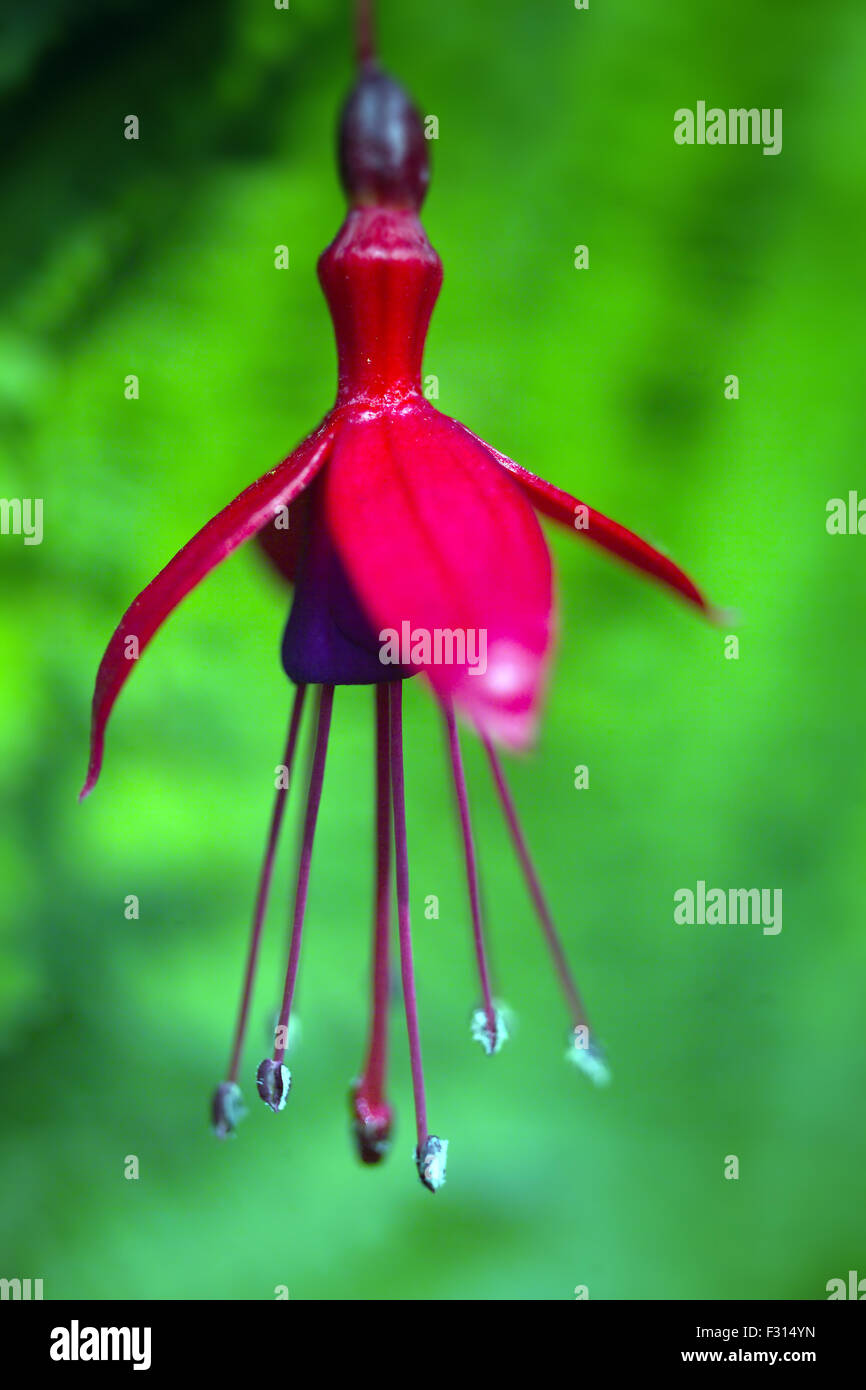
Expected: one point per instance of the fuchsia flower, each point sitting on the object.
(406, 532)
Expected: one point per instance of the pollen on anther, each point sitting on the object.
(490, 1040)
(431, 1161)
(274, 1081)
(588, 1056)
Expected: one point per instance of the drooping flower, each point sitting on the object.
(413, 547)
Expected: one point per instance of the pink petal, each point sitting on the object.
(433, 535)
(595, 526)
(247, 514)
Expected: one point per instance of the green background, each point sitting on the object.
(156, 257)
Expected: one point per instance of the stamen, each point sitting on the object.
(584, 1051)
(271, 1074)
(427, 1143)
(492, 1033)
(227, 1104)
(370, 1109)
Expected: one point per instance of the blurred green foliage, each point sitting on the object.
(156, 258)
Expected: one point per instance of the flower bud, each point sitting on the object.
(381, 147)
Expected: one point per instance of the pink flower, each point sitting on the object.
(413, 546)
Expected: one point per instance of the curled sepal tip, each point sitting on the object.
(227, 1109)
(431, 1160)
(371, 1127)
(588, 1056)
(252, 510)
(274, 1081)
(490, 1038)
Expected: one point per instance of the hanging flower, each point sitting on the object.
(413, 547)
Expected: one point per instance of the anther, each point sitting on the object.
(491, 1039)
(430, 1159)
(227, 1108)
(371, 1126)
(588, 1055)
(274, 1081)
